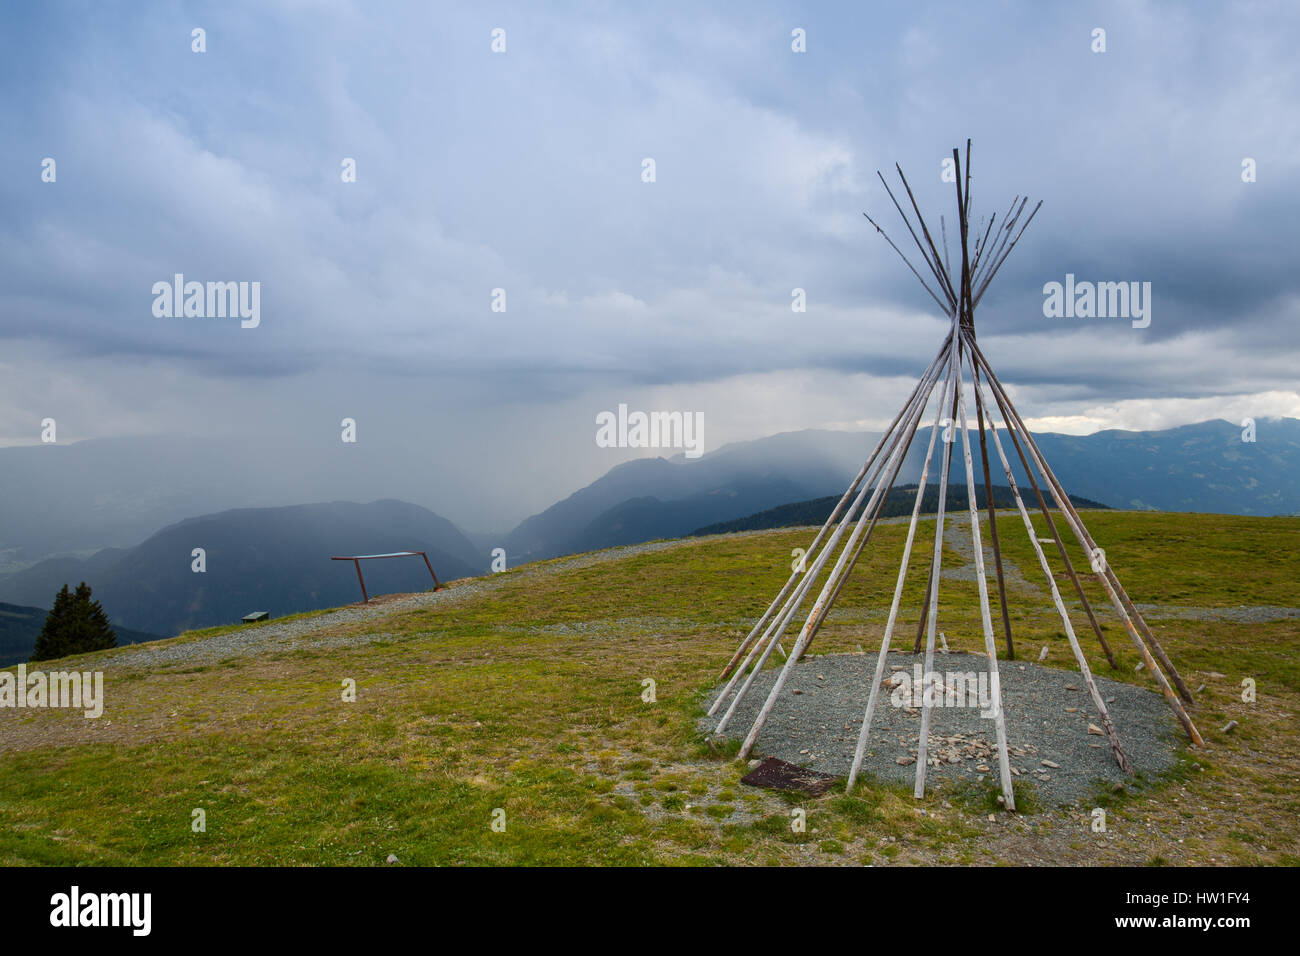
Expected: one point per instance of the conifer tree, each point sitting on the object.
(76, 624)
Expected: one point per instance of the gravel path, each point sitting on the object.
(816, 720)
(1242, 614)
(278, 636)
(957, 536)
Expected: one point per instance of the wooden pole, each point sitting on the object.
(999, 241)
(947, 281)
(936, 564)
(1128, 611)
(1066, 508)
(857, 551)
(907, 262)
(860, 547)
(993, 269)
(883, 656)
(981, 247)
(930, 370)
(944, 284)
(777, 628)
(1060, 548)
(993, 515)
(941, 504)
(1097, 700)
(990, 644)
(794, 600)
(827, 588)
(925, 609)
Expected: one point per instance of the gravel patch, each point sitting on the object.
(1241, 614)
(957, 536)
(816, 720)
(306, 633)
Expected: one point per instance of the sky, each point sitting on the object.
(524, 171)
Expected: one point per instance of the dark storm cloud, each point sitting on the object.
(522, 171)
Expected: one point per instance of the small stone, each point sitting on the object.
(1094, 729)
(754, 763)
(1110, 700)
(1229, 727)
(798, 692)
(392, 858)
(1049, 763)
(982, 768)
(1071, 687)
(1072, 710)
(993, 818)
(905, 761)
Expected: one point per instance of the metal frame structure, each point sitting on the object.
(858, 510)
(356, 559)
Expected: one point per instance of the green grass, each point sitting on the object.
(527, 698)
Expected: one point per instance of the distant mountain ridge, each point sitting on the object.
(900, 501)
(272, 559)
(660, 497)
(1203, 467)
(76, 498)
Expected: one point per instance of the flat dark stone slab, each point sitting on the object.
(774, 774)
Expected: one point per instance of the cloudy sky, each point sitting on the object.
(522, 170)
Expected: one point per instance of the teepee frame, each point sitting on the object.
(859, 509)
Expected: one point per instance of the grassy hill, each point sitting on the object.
(523, 692)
